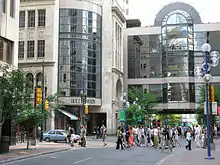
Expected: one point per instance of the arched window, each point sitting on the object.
(177, 31)
(39, 78)
(30, 79)
(177, 17)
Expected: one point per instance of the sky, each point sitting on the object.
(146, 10)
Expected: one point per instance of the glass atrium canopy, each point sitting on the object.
(177, 17)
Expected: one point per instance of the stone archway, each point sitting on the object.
(118, 90)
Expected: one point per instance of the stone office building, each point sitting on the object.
(82, 50)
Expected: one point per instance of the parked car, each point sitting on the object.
(55, 135)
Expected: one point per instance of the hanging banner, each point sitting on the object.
(122, 115)
(219, 110)
(214, 108)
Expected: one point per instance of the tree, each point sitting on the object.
(29, 118)
(134, 114)
(173, 119)
(15, 97)
(200, 116)
(146, 100)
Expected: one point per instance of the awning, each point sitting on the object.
(70, 115)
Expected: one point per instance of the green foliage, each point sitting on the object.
(133, 114)
(200, 117)
(55, 103)
(31, 117)
(146, 100)
(173, 119)
(15, 96)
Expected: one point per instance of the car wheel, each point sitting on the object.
(47, 139)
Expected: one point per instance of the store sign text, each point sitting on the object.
(78, 101)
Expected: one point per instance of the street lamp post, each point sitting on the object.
(83, 96)
(42, 101)
(45, 95)
(210, 60)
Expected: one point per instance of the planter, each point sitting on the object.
(4, 144)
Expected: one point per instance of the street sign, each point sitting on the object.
(122, 115)
(214, 108)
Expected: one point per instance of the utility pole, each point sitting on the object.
(42, 102)
(45, 91)
(210, 101)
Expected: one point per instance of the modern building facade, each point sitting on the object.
(9, 31)
(162, 58)
(80, 45)
(9, 14)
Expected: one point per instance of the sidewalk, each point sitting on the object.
(196, 156)
(20, 151)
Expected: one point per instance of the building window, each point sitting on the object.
(41, 17)
(4, 6)
(127, 11)
(64, 77)
(22, 19)
(31, 18)
(12, 8)
(30, 79)
(41, 48)
(30, 49)
(39, 78)
(21, 49)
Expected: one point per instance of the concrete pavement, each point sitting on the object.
(19, 151)
(98, 156)
(196, 156)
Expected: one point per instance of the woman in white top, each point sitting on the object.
(176, 138)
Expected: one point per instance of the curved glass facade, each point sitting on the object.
(177, 44)
(79, 52)
(177, 54)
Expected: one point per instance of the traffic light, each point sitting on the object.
(213, 92)
(46, 105)
(38, 96)
(86, 109)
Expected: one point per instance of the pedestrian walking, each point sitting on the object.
(83, 136)
(166, 139)
(119, 139)
(131, 137)
(104, 135)
(188, 138)
(156, 139)
(176, 138)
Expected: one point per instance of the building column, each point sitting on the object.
(109, 123)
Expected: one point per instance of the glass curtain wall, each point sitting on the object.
(80, 52)
(177, 54)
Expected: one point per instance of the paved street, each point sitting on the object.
(97, 156)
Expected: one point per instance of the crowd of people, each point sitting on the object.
(165, 137)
